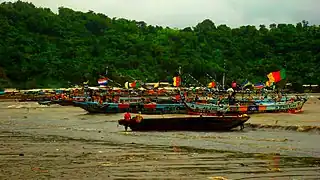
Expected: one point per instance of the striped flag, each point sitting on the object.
(103, 81)
(259, 86)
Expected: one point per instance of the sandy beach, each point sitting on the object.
(54, 142)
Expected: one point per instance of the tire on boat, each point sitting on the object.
(177, 109)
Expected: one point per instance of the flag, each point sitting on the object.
(134, 84)
(234, 84)
(103, 81)
(268, 83)
(126, 85)
(277, 76)
(212, 84)
(86, 82)
(177, 81)
(259, 86)
(156, 85)
(246, 83)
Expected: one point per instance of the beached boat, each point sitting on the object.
(134, 107)
(263, 107)
(186, 123)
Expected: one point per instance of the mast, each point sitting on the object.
(219, 56)
(224, 73)
(179, 74)
(107, 69)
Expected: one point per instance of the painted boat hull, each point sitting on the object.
(211, 109)
(93, 107)
(191, 123)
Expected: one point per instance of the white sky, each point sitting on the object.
(183, 13)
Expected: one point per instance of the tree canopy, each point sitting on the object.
(39, 48)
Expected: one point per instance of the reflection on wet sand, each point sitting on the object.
(67, 158)
(65, 143)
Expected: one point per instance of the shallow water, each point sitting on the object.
(106, 151)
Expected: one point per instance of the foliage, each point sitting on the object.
(39, 48)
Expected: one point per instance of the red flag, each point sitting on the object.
(177, 81)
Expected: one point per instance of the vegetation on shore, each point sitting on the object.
(39, 48)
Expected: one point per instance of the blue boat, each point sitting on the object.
(133, 107)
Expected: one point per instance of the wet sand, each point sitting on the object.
(40, 142)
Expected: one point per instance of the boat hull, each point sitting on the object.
(211, 109)
(191, 123)
(93, 107)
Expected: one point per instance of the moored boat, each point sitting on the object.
(213, 109)
(186, 123)
(132, 107)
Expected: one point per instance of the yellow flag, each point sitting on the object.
(271, 78)
(156, 85)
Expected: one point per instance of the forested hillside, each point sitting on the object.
(39, 48)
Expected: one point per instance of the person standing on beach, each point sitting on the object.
(127, 118)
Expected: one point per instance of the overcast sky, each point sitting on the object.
(183, 13)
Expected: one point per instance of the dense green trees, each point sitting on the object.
(39, 49)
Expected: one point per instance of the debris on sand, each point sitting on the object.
(218, 178)
(39, 169)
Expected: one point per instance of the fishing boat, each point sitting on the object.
(262, 107)
(186, 123)
(132, 107)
